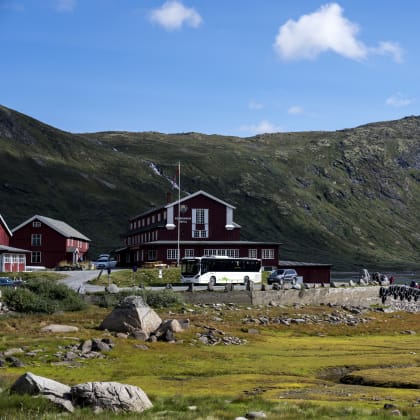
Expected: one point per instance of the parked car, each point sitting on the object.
(282, 275)
(8, 282)
(105, 261)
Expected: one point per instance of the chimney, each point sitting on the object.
(168, 197)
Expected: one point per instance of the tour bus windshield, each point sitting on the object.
(190, 267)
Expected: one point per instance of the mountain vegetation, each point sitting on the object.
(350, 198)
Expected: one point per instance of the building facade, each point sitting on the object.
(11, 259)
(50, 242)
(194, 226)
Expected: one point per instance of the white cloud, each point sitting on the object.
(398, 100)
(173, 14)
(255, 105)
(327, 30)
(64, 6)
(295, 110)
(263, 127)
(389, 48)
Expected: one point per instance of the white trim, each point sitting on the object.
(170, 218)
(5, 225)
(229, 219)
(201, 192)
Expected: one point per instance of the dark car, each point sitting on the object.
(8, 282)
(282, 275)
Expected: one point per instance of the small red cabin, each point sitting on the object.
(50, 241)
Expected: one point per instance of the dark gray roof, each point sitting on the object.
(59, 226)
(4, 248)
(301, 264)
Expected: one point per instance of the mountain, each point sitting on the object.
(350, 198)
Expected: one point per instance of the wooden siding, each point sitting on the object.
(148, 233)
(53, 246)
(4, 235)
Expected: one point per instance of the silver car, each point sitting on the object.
(282, 275)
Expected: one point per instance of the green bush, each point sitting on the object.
(42, 297)
(154, 298)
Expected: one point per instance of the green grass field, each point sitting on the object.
(288, 372)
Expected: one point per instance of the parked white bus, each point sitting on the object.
(220, 270)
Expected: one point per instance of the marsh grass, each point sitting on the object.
(282, 371)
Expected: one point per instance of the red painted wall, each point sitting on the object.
(53, 245)
(4, 235)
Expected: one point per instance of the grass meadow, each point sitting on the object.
(287, 372)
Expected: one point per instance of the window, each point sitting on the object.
(233, 253)
(267, 254)
(36, 224)
(153, 219)
(158, 217)
(200, 223)
(36, 239)
(36, 257)
(172, 254)
(189, 253)
(200, 234)
(127, 258)
(151, 254)
(252, 253)
(199, 216)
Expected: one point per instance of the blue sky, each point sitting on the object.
(232, 67)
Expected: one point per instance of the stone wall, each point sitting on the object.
(355, 296)
(364, 296)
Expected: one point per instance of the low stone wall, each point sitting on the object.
(352, 296)
(240, 297)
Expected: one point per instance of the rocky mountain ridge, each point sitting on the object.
(350, 197)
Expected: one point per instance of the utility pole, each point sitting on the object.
(179, 213)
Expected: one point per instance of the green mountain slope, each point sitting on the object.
(350, 198)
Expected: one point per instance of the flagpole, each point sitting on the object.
(179, 211)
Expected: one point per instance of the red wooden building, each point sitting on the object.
(50, 241)
(196, 225)
(311, 272)
(11, 259)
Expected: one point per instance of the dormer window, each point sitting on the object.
(200, 223)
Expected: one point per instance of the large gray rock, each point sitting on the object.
(57, 328)
(36, 385)
(132, 314)
(111, 396)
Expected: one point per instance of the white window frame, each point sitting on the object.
(252, 253)
(267, 254)
(36, 239)
(172, 254)
(189, 252)
(36, 257)
(36, 224)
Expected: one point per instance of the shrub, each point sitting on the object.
(43, 297)
(154, 298)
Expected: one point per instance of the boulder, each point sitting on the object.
(56, 328)
(38, 385)
(111, 396)
(112, 288)
(132, 313)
